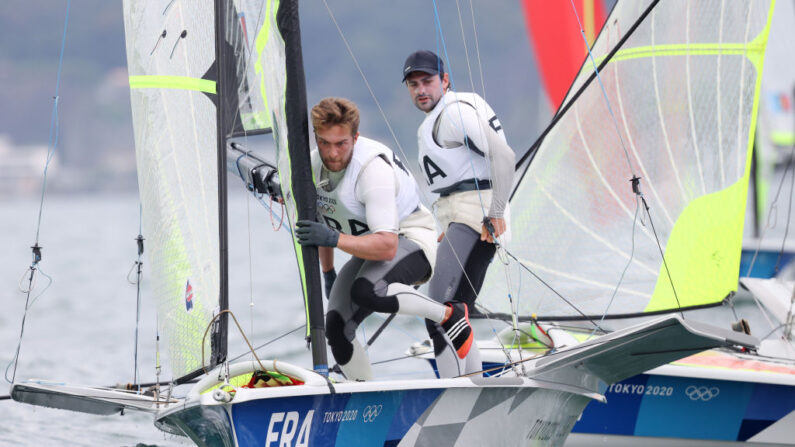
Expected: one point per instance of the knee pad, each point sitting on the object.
(363, 293)
(341, 348)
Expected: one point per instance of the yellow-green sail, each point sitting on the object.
(683, 89)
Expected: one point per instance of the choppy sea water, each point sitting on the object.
(82, 329)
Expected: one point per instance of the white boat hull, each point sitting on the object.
(538, 408)
(461, 412)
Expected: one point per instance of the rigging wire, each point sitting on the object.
(477, 51)
(530, 153)
(52, 144)
(522, 264)
(440, 40)
(500, 247)
(258, 24)
(383, 115)
(770, 224)
(773, 211)
(364, 78)
(464, 42)
(626, 267)
(250, 266)
(789, 213)
(137, 265)
(604, 91)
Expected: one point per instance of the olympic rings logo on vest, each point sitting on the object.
(702, 393)
(327, 208)
(371, 412)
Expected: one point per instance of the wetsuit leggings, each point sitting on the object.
(461, 264)
(361, 288)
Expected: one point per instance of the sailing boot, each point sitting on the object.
(458, 328)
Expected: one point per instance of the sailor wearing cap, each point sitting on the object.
(464, 158)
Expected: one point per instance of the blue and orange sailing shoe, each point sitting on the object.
(458, 328)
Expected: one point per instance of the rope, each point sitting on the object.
(242, 332)
(466, 49)
(270, 342)
(15, 359)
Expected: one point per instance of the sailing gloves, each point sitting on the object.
(313, 233)
(328, 281)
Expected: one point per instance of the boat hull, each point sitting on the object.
(657, 405)
(468, 415)
(766, 262)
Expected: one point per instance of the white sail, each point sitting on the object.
(682, 94)
(169, 53)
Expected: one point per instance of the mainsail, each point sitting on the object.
(677, 111)
(184, 108)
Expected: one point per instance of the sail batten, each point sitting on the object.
(573, 213)
(648, 181)
(582, 227)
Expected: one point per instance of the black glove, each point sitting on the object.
(328, 281)
(312, 233)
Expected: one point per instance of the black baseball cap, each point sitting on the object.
(424, 61)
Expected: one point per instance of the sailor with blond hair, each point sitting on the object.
(369, 207)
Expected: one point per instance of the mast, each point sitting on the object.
(218, 341)
(303, 187)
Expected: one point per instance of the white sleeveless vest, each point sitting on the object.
(339, 207)
(445, 167)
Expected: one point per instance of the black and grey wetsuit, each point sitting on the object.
(375, 193)
(465, 159)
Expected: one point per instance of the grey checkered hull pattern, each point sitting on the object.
(505, 416)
